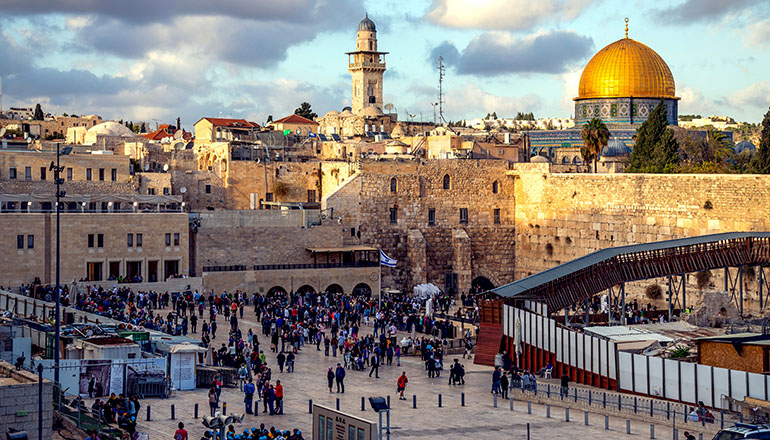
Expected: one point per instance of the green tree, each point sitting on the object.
(656, 149)
(39, 116)
(761, 162)
(494, 115)
(143, 128)
(306, 111)
(595, 136)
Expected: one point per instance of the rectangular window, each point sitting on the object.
(101, 174)
(19, 242)
(69, 173)
(100, 240)
(463, 215)
(431, 217)
(88, 173)
(393, 216)
(12, 173)
(269, 197)
(168, 239)
(42, 173)
(30, 242)
(28, 173)
(130, 240)
(176, 238)
(208, 189)
(138, 240)
(151, 191)
(114, 174)
(166, 191)
(311, 195)
(91, 240)
(497, 216)
(352, 232)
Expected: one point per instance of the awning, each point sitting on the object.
(106, 197)
(341, 249)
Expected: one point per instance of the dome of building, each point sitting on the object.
(372, 112)
(332, 113)
(109, 128)
(742, 146)
(539, 159)
(367, 25)
(626, 68)
(614, 148)
(346, 112)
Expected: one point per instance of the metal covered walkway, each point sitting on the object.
(582, 278)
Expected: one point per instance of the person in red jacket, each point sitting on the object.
(278, 397)
(401, 385)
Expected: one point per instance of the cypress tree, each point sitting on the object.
(656, 149)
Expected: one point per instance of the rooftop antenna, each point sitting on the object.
(441, 72)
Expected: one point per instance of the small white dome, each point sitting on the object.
(109, 128)
(333, 113)
(539, 159)
(372, 112)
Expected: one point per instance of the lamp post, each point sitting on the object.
(59, 194)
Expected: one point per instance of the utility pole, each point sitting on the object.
(59, 194)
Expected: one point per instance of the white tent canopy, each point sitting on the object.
(426, 290)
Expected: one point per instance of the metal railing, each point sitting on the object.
(241, 267)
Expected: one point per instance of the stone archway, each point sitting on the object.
(276, 290)
(335, 288)
(305, 289)
(362, 289)
(482, 284)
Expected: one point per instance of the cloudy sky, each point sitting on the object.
(159, 59)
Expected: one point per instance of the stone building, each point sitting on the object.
(19, 404)
(367, 66)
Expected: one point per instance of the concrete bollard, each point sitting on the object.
(439, 400)
(635, 403)
(338, 404)
(224, 408)
(363, 403)
(586, 417)
(309, 406)
(148, 413)
(628, 427)
(528, 431)
(173, 412)
(676, 434)
(414, 400)
(388, 400)
(700, 436)
(604, 400)
(652, 431)
(606, 423)
(529, 407)
(462, 399)
(548, 411)
(566, 414)
(494, 399)
(196, 410)
(511, 402)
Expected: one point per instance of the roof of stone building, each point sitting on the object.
(367, 25)
(225, 122)
(743, 146)
(294, 119)
(539, 159)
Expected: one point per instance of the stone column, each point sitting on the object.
(461, 261)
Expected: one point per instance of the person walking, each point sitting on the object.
(564, 385)
(504, 385)
(243, 374)
(339, 375)
(213, 400)
(281, 359)
(496, 375)
(398, 355)
(278, 397)
(181, 433)
(248, 390)
(194, 323)
(375, 366)
(401, 385)
(330, 378)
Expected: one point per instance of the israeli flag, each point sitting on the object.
(386, 260)
(311, 134)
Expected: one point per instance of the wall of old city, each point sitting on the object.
(447, 248)
(286, 181)
(23, 263)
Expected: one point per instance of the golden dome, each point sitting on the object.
(626, 68)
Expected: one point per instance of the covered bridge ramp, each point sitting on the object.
(582, 278)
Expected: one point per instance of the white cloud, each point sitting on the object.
(694, 102)
(758, 34)
(469, 100)
(503, 14)
(756, 95)
(570, 81)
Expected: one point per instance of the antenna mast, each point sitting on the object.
(441, 72)
(1, 94)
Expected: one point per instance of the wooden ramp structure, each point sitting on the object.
(491, 332)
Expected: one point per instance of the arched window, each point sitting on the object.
(393, 185)
(495, 187)
(446, 181)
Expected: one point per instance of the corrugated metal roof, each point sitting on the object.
(550, 275)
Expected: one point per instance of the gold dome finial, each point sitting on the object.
(626, 27)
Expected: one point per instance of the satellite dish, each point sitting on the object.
(183, 189)
(179, 146)
(147, 167)
(178, 134)
(388, 106)
(257, 160)
(2, 132)
(165, 167)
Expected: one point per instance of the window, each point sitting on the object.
(100, 240)
(352, 232)
(501, 152)
(101, 174)
(208, 189)
(495, 187)
(130, 240)
(42, 173)
(151, 191)
(12, 173)
(393, 216)
(497, 216)
(393, 185)
(269, 197)
(168, 239)
(28, 173)
(176, 238)
(311, 195)
(30, 242)
(90, 240)
(431, 217)
(138, 240)
(69, 173)
(166, 190)
(88, 173)
(19, 242)
(446, 181)
(114, 174)
(463, 215)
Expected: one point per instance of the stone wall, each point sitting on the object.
(287, 181)
(19, 403)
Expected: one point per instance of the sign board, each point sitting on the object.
(330, 424)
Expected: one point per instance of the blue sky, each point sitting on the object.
(151, 59)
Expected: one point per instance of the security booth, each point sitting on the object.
(330, 424)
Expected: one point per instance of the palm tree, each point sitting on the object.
(719, 148)
(595, 136)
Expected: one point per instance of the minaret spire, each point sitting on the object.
(626, 27)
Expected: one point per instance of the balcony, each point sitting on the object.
(366, 65)
(242, 268)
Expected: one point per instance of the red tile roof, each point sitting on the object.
(236, 123)
(295, 119)
(164, 131)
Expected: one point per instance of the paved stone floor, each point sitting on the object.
(477, 420)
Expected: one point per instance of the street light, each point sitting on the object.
(59, 194)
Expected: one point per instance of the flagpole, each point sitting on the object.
(379, 305)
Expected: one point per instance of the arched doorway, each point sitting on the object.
(305, 289)
(362, 289)
(335, 288)
(276, 290)
(482, 284)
